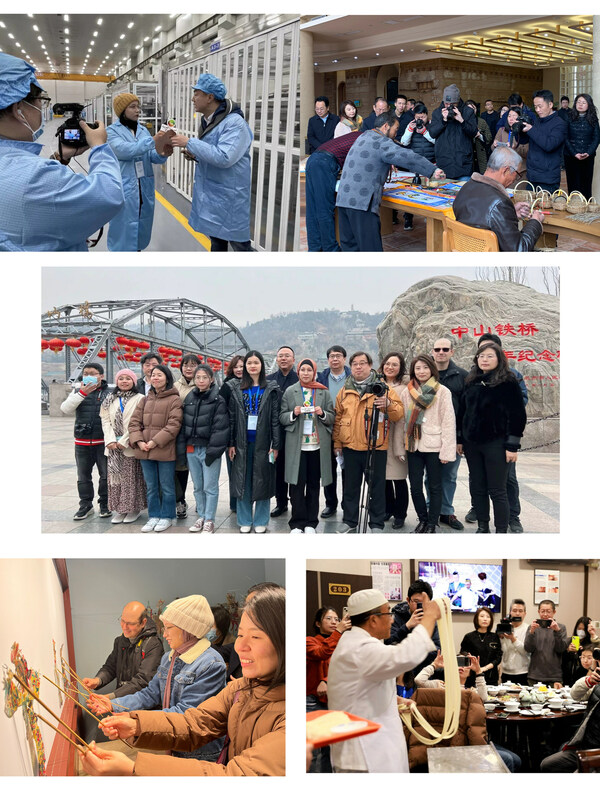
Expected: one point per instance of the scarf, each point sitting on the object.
(188, 642)
(117, 457)
(422, 397)
(361, 386)
(311, 384)
(353, 124)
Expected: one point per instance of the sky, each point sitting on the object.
(246, 295)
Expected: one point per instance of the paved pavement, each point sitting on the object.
(538, 475)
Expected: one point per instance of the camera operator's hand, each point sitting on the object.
(571, 648)
(510, 636)
(344, 624)
(381, 402)
(527, 127)
(533, 626)
(554, 626)
(458, 116)
(412, 126)
(415, 619)
(445, 114)
(438, 174)
(95, 136)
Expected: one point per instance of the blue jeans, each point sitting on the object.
(160, 488)
(206, 483)
(321, 176)
(262, 508)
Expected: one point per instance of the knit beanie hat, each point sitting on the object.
(128, 372)
(191, 614)
(121, 101)
(451, 94)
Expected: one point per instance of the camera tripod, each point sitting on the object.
(371, 429)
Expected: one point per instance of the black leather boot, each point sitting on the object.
(421, 526)
(483, 527)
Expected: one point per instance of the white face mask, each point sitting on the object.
(581, 634)
(35, 135)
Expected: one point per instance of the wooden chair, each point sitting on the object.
(461, 238)
(589, 760)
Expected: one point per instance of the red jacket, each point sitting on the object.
(319, 650)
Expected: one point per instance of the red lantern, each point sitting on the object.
(84, 340)
(56, 345)
(102, 354)
(144, 345)
(81, 351)
(74, 343)
(121, 340)
(45, 345)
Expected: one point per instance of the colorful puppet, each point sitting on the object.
(15, 696)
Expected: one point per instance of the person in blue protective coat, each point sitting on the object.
(44, 205)
(221, 201)
(137, 151)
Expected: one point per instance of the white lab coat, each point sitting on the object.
(362, 681)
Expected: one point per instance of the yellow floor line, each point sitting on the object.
(199, 237)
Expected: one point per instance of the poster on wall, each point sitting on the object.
(387, 577)
(546, 585)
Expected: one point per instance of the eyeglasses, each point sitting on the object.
(126, 624)
(360, 364)
(441, 349)
(383, 614)
(330, 619)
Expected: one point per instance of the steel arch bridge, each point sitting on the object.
(179, 324)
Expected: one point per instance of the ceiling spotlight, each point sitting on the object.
(130, 25)
(122, 36)
(99, 21)
(67, 41)
(158, 27)
(35, 28)
(316, 63)
(10, 36)
(66, 17)
(2, 25)
(376, 54)
(95, 33)
(146, 38)
(356, 58)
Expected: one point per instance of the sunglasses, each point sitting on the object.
(441, 349)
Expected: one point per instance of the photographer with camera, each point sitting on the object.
(85, 401)
(511, 135)
(137, 151)
(44, 205)
(515, 659)
(416, 136)
(364, 399)
(453, 126)
(546, 640)
(547, 136)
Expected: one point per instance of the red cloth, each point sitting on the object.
(319, 650)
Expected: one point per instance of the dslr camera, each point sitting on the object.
(379, 388)
(419, 124)
(544, 623)
(451, 111)
(69, 133)
(518, 125)
(505, 624)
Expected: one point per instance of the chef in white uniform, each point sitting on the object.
(362, 681)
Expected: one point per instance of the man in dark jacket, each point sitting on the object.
(322, 126)
(452, 377)
(334, 377)
(491, 116)
(285, 376)
(546, 139)
(148, 361)
(380, 106)
(85, 403)
(586, 737)
(135, 656)
(416, 136)
(403, 115)
(406, 617)
(484, 203)
(453, 126)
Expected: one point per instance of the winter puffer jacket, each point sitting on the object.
(205, 424)
(88, 424)
(454, 141)
(350, 409)
(487, 412)
(268, 435)
(582, 137)
(546, 140)
(132, 663)
(157, 418)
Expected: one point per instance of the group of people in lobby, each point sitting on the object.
(491, 152)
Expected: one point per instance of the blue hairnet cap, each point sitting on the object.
(16, 77)
(210, 84)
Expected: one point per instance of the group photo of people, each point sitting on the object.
(524, 680)
(447, 153)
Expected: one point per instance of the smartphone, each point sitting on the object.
(419, 606)
(463, 661)
(345, 611)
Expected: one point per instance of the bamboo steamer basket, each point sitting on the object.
(559, 200)
(524, 195)
(545, 198)
(576, 203)
(593, 206)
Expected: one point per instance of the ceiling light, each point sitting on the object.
(18, 44)
(66, 17)
(376, 54)
(2, 25)
(35, 28)
(116, 44)
(356, 58)
(66, 30)
(316, 63)
(99, 21)
(122, 36)
(130, 25)
(67, 41)
(109, 52)
(158, 27)
(95, 33)
(10, 36)
(146, 38)
(138, 47)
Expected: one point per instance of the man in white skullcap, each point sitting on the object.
(362, 681)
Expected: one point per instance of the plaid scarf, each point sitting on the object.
(422, 397)
(117, 458)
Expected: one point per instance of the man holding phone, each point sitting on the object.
(546, 640)
(85, 402)
(407, 615)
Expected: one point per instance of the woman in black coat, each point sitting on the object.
(255, 439)
(234, 369)
(485, 645)
(490, 423)
(203, 438)
(583, 137)
(571, 665)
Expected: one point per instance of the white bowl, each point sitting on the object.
(489, 706)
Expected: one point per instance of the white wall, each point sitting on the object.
(32, 615)
(101, 587)
(72, 91)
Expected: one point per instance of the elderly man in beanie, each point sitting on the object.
(362, 681)
(221, 201)
(453, 126)
(44, 205)
(137, 151)
(188, 675)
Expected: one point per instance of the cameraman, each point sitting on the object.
(416, 136)
(354, 408)
(546, 642)
(453, 126)
(43, 204)
(515, 659)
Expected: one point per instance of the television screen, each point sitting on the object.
(469, 586)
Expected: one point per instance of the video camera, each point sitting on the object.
(69, 133)
(379, 388)
(505, 624)
(518, 125)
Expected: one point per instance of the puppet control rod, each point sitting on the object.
(85, 691)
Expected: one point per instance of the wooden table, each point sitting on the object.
(563, 222)
(434, 218)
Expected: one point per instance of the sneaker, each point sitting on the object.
(310, 530)
(514, 525)
(181, 510)
(104, 512)
(471, 515)
(116, 518)
(245, 528)
(345, 528)
(132, 516)
(162, 525)
(452, 521)
(150, 525)
(408, 226)
(197, 526)
(260, 528)
(209, 526)
(296, 530)
(83, 512)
